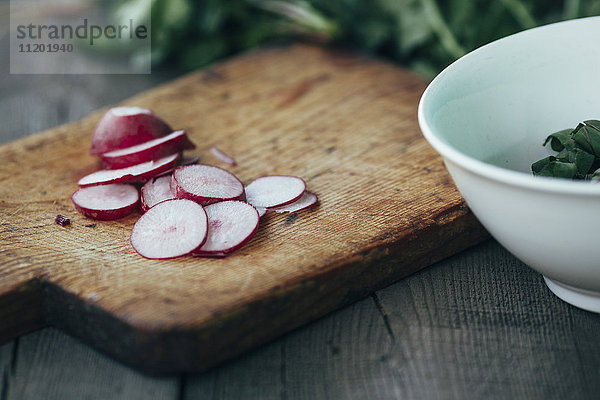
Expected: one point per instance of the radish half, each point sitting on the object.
(106, 202)
(305, 201)
(155, 191)
(135, 173)
(205, 184)
(231, 224)
(151, 150)
(274, 190)
(170, 229)
(123, 127)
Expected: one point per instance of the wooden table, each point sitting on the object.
(477, 325)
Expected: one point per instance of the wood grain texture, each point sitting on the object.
(52, 366)
(490, 319)
(345, 123)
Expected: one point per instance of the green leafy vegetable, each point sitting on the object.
(578, 153)
(425, 35)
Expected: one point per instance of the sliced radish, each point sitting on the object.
(222, 156)
(261, 211)
(305, 201)
(230, 225)
(123, 127)
(274, 190)
(150, 150)
(135, 173)
(170, 229)
(155, 191)
(183, 160)
(106, 202)
(205, 184)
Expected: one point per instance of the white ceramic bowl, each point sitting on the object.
(488, 113)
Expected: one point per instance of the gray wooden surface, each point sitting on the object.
(479, 325)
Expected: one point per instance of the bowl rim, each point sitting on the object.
(481, 168)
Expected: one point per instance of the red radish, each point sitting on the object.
(106, 202)
(222, 156)
(135, 173)
(123, 127)
(170, 229)
(261, 211)
(150, 150)
(305, 201)
(230, 225)
(205, 184)
(274, 190)
(155, 191)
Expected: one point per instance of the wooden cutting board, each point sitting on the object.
(345, 123)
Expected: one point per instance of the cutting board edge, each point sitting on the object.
(181, 349)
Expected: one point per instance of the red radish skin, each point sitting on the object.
(62, 220)
(231, 224)
(136, 173)
(222, 156)
(206, 184)
(305, 201)
(147, 151)
(155, 191)
(172, 228)
(123, 127)
(274, 190)
(106, 202)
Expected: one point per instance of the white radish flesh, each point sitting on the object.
(274, 190)
(305, 201)
(155, 191)
(106, 202)
(123, 127)
(136, 173)
(147, 151)
(261, 211)
(222, 156)
(205, 184)
(231, 224)
(170, 229)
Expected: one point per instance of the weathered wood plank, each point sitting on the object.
(52, 365)
(7, 360)
(483, 325)
(344, 355)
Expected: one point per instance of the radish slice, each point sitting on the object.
(305, 201)
(123, 127)
(261, 211)
(230, 225)
(106, 202)
(183, 160)
(155, 191)
(205, 184)
(222, 156)
(274, 190)
(150, 150)
(170, 229)
(137, 173)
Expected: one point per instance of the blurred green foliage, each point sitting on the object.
(425, 35)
